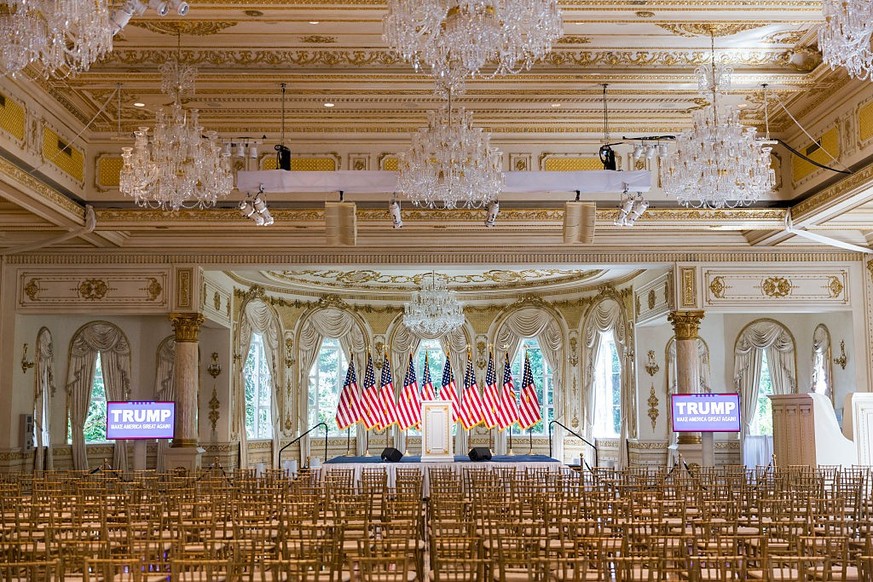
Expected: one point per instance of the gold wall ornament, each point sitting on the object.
(776, 287)
(216, 301)
(717, 29)
(717, 287)
(650, 299)
(214, 369)
(573, 39)
(835, 286)
(652, 366)
(317, 39)
(653, 405)
(689, 286)
(186, 326)
(93, 289)
(214, 409)
(841, 360)
(183, 27)
(28, 364)
(153, 289)
(289, 352)
(573, 358)
(686, 324)
(184, 278)
(31, 289)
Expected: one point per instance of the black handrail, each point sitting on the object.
(300, 437)
(575, 434)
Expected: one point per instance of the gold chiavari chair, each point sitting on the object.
(32, 571)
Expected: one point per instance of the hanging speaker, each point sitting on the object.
(480, 454)
(579, 222)
(391, 455)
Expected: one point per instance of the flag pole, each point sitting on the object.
(348, 439)
(530, 436)
(366, 441)
(510, 440)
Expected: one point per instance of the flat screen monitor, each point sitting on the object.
(140, 420)
(706, 412)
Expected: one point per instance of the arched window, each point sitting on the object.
(258, 391)
(326, 379)
(542, 375)
(607, 389)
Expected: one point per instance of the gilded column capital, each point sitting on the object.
(186, 326)
(686, 324)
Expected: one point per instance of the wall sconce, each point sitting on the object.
(842, 360)
(214, 369)
(652, 366)
(25, 363)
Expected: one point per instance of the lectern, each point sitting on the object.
(436, 431)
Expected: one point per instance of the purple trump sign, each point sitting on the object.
(706, 412)
(140, 420)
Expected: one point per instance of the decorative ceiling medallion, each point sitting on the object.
(692, 29)
(317, 39)
(184, 27)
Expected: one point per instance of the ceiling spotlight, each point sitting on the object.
(493, 211)
(162, 8)
(662, 150)
(638, 151)
(314, 22)
(650, 151)
(394, 209)
(179, 6)
(255, 208)
(631, 208)
(139, 104)
(328, 104)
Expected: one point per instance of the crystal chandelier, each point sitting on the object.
(844, 40)
(182, 166)
(719, 162)
(65, 36)
(450, 163)
(457, 38)
(434, 310)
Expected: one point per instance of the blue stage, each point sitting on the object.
(458, 459)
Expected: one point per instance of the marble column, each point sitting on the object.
(686, 327)
(184, 452)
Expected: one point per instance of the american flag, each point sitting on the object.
(447, 391)
(508, 406)
(409, 400)
(347, 409)
(386, 396)
(490, 399)
(529, 406)
(427, 392)
(371, 411)
(471, 405)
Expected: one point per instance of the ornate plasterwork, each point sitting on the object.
(717, 29)
(653, 406)
(317, 39)
(788, 286)
(363, 279)
(686, 324)
(186, 326)
(107, 289)
(184, 27)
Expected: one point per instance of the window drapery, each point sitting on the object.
(541, 324)
(822, 373)
(605, 316)
(331, 322)
(110, 342)
(44, 388)
(764, 335)
(164, 385)
(259, 317)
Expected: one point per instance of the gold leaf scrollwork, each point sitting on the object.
(776, 287)
(214, 409)
(32, 289)
(154, 289)
(835, 286)
(93, 289)
(650, 299)
(653, 406)
(717, 287)
(574, 357)
(216, 301)
(289, 352)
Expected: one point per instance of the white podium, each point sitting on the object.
(436, 431)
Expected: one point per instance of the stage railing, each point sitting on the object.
(312, 428)
(575, 434)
